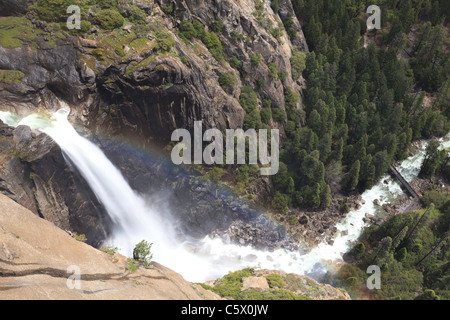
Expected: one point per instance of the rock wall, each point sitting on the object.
(35, 174)
(109, 96)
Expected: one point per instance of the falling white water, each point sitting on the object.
(137, 220)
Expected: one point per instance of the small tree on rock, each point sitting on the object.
(142, 252)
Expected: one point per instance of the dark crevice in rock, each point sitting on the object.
(57, 273)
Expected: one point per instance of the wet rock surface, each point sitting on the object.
(260, 234)
(145, 104)
(198, 206)
(36, 175)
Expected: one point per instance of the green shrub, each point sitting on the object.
(267, 103)
(293, 220)
(275, 281)
(52, 10)
(199, 29)
(298, 63)
(289, 26)
(271, 294)
(266, 115)
(79, 237)
(277, 33)
(273, 72)
(255, 59)
(291, 98)
(168, 9)
(260, 83)
(252, 120)
(427, 295)
(237, 36)
(439, 199)
(212, 42)
(231, 284)
(130, 265)
(234, 62)
(107, 4)
(136, 15)
(142, 252)
(227, 81)
(187, 30)
(109, 19)
(289, 127)
(164, 40)
(217, 26)
(282, 75)
(275, 5)
(248, 99)
(358, 250)
(242, 174)
(215, 174)
(190, 30)
(280, 203)
(109, 250)
(401, 255)
(278, 115)
(85, 27)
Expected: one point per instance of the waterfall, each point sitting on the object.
(136, 219)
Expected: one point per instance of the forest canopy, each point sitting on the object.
(365, 101)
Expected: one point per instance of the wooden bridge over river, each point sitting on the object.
(416, 201)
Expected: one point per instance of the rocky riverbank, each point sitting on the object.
(309, 228)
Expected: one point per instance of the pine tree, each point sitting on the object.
(436, 249)
(352, 178)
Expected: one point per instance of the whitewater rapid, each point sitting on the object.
(136, 218)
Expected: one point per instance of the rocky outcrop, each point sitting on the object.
(141, 94)
(154, 99)
(260, 233)
(39, 261)
(51, 73)
(199, 206)
(35, 174)
(14, 7)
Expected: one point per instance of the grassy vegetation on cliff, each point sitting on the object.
(13, 30)
(11, 75)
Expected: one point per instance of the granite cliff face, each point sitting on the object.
(128, 89)
(35, 174)
(37, 259)
(137, 91)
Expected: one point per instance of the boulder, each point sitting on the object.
(259, 283)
